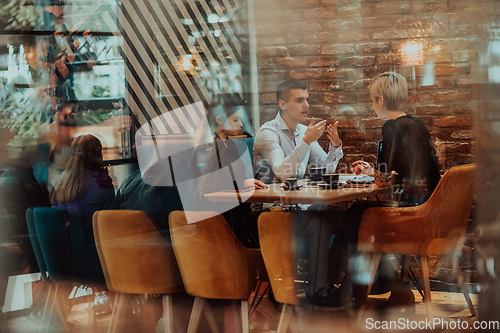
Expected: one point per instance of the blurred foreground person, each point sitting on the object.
(407, 158)
(225, 116)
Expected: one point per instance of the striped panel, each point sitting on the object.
(178, 53)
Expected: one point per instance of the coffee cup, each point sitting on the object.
(316, 173)
(331, 178)
(290, 183)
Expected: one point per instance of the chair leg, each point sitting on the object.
(117, 311)
(236, 316)
(372, 271)
(210, 319)
(244, 316)
(285, 318)
(427, 286)
(194, 320)
(167, 314)
(465, 290)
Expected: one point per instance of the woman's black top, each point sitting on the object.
(408, 149)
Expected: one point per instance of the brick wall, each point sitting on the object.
(338, 46)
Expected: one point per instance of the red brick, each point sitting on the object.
(327, 3)
(347, 122)
(319, 13)
(459, 44)
(271, 41)
(268, 86)
(317, 38)
(357, 85)
(290, 62)
(306, 74)
(354, 135)
(392, 8)
(449, 70)
(294, 38)
(303, 3)
(375, 70)
(433, 109)
(340, 73)
(453, 121)
(273, 75)
(430, 6)
(378, 47)
(439, 83)
(305, 26)
(272, 51)
(342, 98)
(316, 98)
(398, 45)
(351, 146)
(269, 112)
(391, 34)
(369, 147)
(325, 86)
(440, 57)
(419, 97)
(373, 122)
(272, 29)
(304, 49)
(358, 61)
(365, 97)
(345, 24)
(461, 134)
(426, 120)
(457, 147)
(376, 22)
(458, 159)
(320, 111)
(450, 96)
(355, 10)
(464, 56)
(351, 36)
(324, 62)
(338, 49)
(265, 63)
(269, 98)
(462, 108)
(389, 59)
(464, 82)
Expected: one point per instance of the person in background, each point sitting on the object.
(225, 116)
(285, 148)
(84, 187)
(407, 159)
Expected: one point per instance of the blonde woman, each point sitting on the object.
(406, 157)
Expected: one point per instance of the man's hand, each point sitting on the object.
(314, 131)
(255, 183)
(333, 134)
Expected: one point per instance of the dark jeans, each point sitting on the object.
(351, 261)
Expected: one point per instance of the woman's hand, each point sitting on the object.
(359, 167)
(255, 183)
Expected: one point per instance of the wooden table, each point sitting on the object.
(305, 195)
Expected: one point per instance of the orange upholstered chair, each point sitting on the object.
(214, 264)
(276, 244)
(135, 260)
(435, 227)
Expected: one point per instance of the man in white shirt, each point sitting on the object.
(286, 147)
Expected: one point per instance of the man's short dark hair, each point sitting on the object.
(283, 91)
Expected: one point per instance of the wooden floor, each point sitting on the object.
(143, 314)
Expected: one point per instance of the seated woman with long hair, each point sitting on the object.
(84, 186)
(225, 116)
